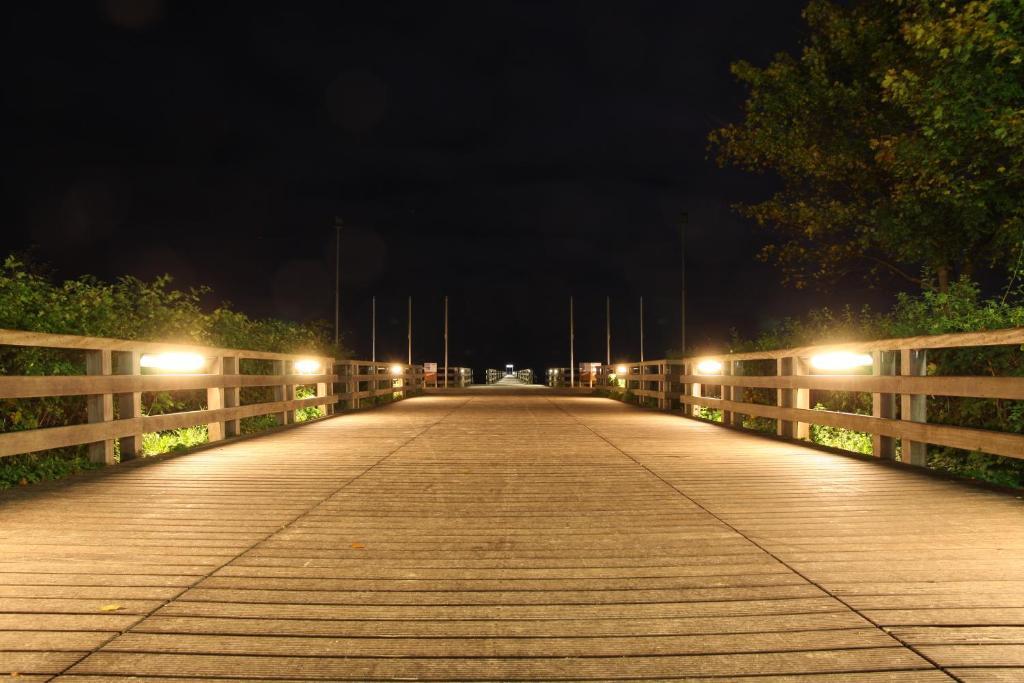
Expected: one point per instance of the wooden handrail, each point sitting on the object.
(114, 377)
(899, 386)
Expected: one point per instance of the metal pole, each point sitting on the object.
(641, 329)
(682, 321)
(410, 331)
(572, 345)
(337, 282)
(608, 325)
(446, 342)
(373, 330)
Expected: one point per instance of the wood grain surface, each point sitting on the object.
(511, 537)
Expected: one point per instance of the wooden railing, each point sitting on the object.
(458, 378)
(899, 386)
(361, 382)
(115, 381)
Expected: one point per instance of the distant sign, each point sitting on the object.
(430, 367)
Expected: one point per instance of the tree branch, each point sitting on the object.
(893, 269)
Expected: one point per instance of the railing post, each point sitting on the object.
(726, 391)
(793, 398)
(695, 390)
(324, 389)
(883, 405)
(215, 400)
(283, 392)
(737, 395)
(100, 407)
(129, 405)
(662, 385)
(914, 407)
(231, 365)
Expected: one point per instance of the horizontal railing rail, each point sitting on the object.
(899, 385)
(116, 379)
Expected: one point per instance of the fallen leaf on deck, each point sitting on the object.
(110, 608)
(358, 546)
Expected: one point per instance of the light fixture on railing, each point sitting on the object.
(173, 361)
(840, 360)
(396, 369)
(307, 366)
(709, 367)
(621, 369)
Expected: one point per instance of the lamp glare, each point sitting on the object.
(307, 366)
(173, 361)
(840, 360)
(709, 367)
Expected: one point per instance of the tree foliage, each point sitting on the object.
(898, 138)
(129, 308)
(961, 308)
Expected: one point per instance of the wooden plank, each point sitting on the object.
(996, 443)
(13, 443)
(523, 537)
(33, 386)
(71, 341)
(1005, 337)
(933, 385)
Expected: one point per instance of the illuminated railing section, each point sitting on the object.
(119, 372)
(893, 371)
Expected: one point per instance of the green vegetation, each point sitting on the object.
(126, 309)
(838, 437)
(31, 468)
(711, 414)
(174, 440)
(961, 308)
(898, 137)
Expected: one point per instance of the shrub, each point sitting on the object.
(133, 309)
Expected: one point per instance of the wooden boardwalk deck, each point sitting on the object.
(527, 537)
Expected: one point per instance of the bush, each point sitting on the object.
(174, 440)
(705, 413)
(961, 308)
(838, 437)
(133, 309)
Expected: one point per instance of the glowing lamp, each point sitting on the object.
(307, 366)
(621, 369)
(840, 360)
(173, 361)
(709, 367)
(396, 369)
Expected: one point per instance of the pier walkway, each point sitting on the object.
(492, 537)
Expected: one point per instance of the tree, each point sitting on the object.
(898, 137)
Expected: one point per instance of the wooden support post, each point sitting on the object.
(128, 405)
(326, 388)
(737, 396)
(100, 407)
(662, 386)
(215, 401)
(695, 390)
(883, 405)
(283, 392)
(793, 398)
(914, 407)
(231, 365)
(726, 391)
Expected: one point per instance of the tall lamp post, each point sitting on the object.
(641, 329)
(337, 282)
(572, 346)
(608, 330)
(684, 219)
(445, 342)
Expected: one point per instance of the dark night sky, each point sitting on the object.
(504, 153)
